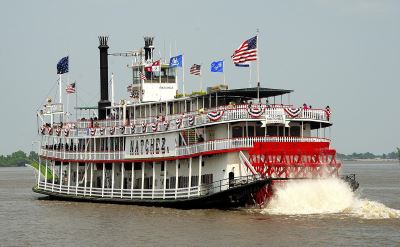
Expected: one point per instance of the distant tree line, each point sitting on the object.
(368, 155)
(19, 158)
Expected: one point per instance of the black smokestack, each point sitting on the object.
(148, 48)
(104, 102)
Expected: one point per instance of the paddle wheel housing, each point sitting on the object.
(289, 160)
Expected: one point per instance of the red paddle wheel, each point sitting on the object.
(286, 160)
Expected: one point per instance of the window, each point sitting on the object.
(237, 131)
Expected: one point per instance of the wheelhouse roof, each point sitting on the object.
(242, 93)
(251, 92)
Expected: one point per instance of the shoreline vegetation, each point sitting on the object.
(20, 158)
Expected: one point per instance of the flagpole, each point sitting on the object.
(183, 74)
(258, 68)
(67, 107)
(250, 75)
(76, 102)
(112, 90)
(59, 88)
(223, 71)
(201, 79)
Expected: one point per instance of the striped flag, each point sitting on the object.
(70, 88)
(195, 69)
(246, 53)
(142, 76)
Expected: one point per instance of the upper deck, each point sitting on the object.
(191, 112)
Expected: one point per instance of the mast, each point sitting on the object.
(258, 69)
(112, 89)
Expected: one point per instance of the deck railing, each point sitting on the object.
(208, 146)
(191, 119)
(149, 194)
(71, 155)
(245, 142)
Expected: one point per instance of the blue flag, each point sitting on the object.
(217, 66)
(62, 66)
(176, 61)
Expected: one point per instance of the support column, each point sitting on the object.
(165, 177)
(142, 187)
(102, 181)
(190, 176)
(132, 178)
(200, 165)
(84, 186)
(45, 176)
(154, 180)
(69, 176)
(38, 180)
(77, 178)
(53, 175)
(112, 178)
(176, 176)
(61, 176)
(91, 179)
(122, 178)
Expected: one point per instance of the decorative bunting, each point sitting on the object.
(102, 130)
(255, 110)
(178, 122)
(215, 115)
(166, 125)
(143, 127)
(66, 132)
(132, 128)
(112, 130)
(191, 120)
(122, 130)
(154, 126)
(58, 131)
(42, 129)
(92, 131)
(50, 131)
(293, 112)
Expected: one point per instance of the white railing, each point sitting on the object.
(157, 124)
(70, 155)
(246, 142)
(150, 194)
(215, 145)
(122, 193)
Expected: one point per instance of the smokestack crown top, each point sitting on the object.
(103, 40)
(148, 42)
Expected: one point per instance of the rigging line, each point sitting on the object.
(48, 93)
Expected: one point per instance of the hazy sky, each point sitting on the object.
(342, 53)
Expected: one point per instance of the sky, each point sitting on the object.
(342, 53)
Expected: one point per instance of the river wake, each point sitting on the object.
(324, 196)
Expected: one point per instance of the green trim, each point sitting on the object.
(35, 165)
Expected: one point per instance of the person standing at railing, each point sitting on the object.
(327, 112)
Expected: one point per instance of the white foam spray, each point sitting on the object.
(324, 196)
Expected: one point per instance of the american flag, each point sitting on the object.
(195, 69)
(246, 52)
(70, 88)
(142, 76)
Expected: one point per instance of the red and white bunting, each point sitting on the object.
(215, 115)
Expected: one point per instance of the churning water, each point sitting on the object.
(324, 196)
(315, 213)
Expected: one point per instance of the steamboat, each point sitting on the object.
(221, 148)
